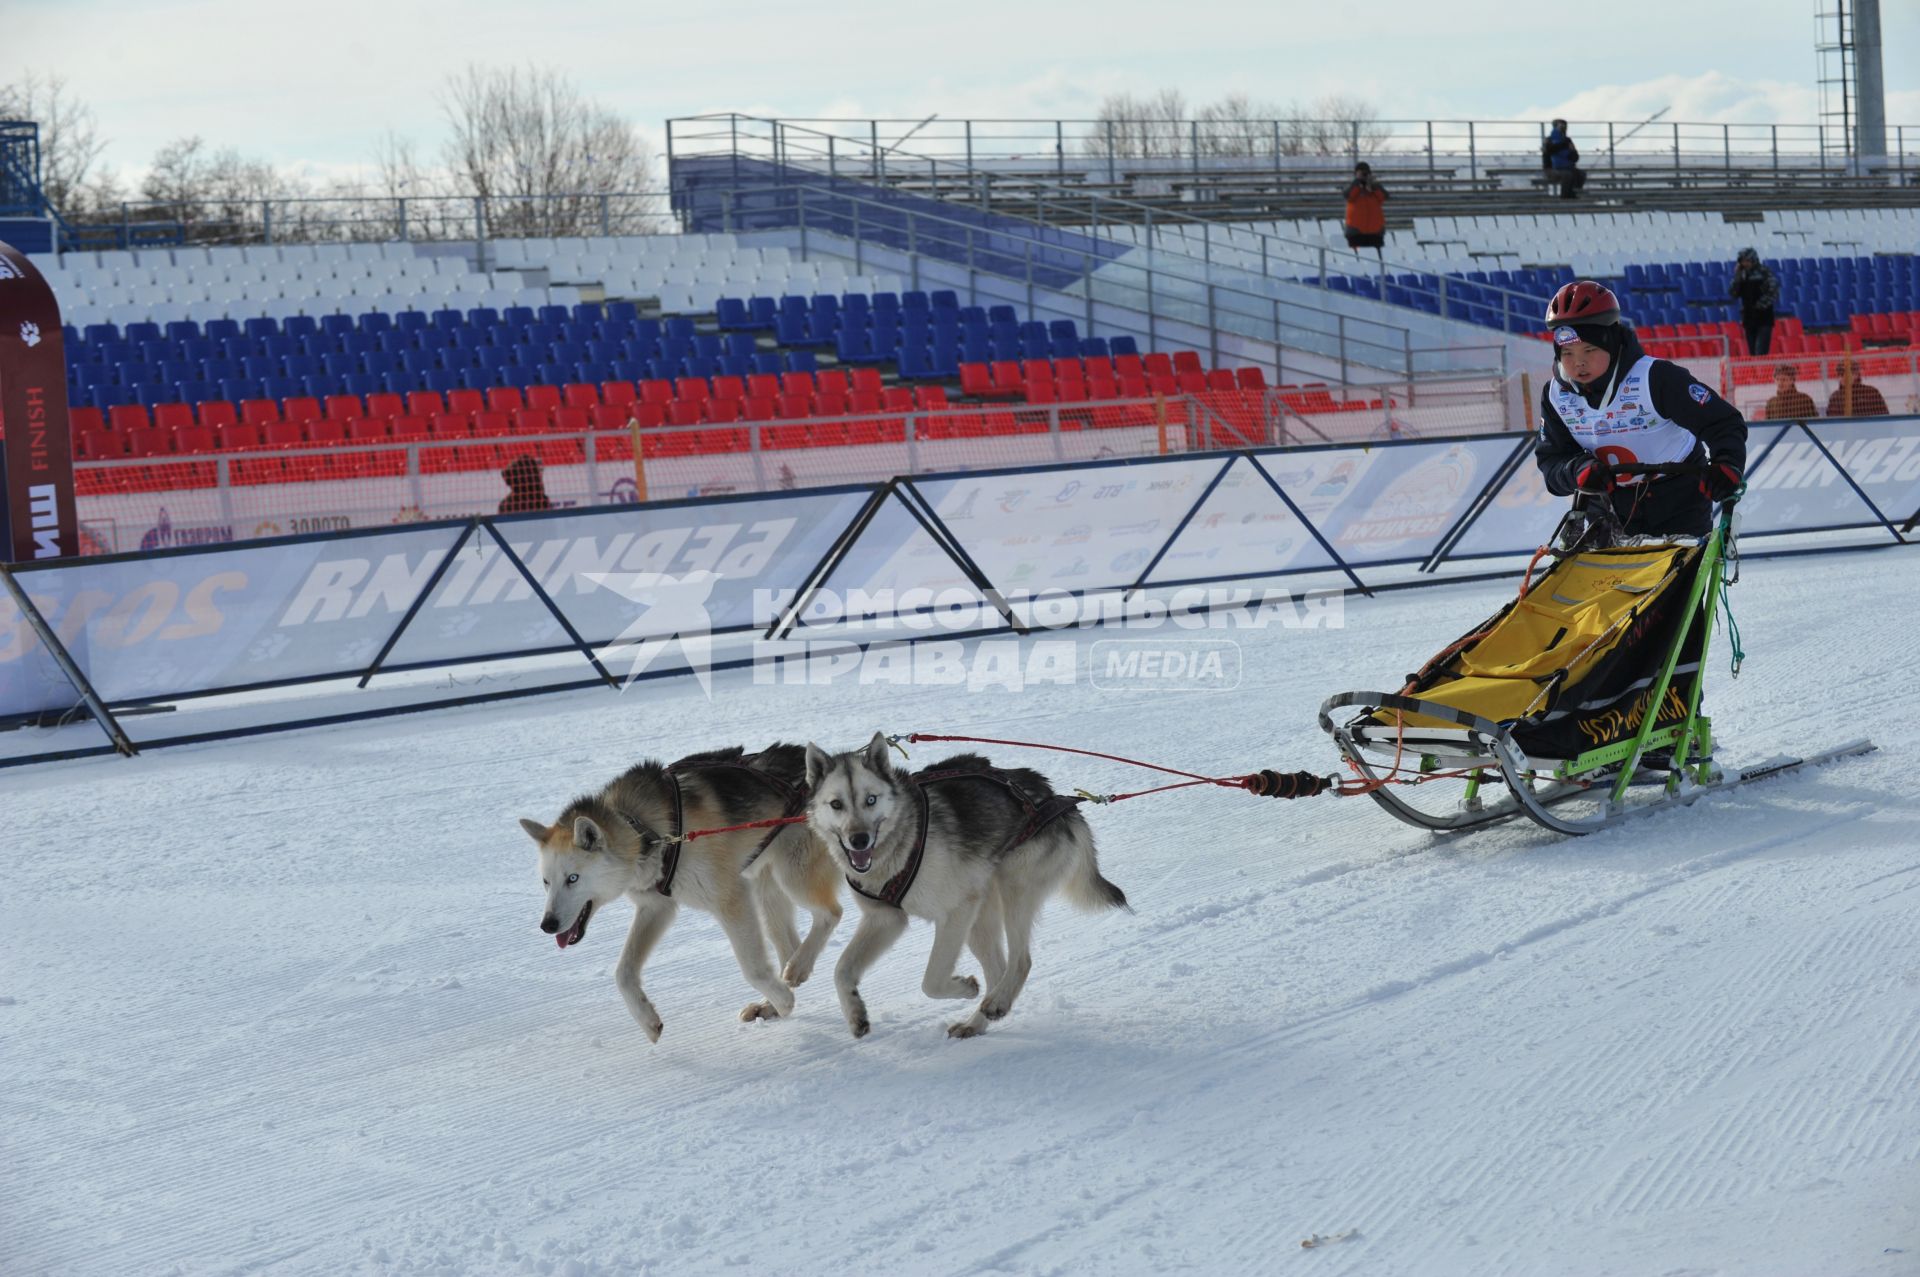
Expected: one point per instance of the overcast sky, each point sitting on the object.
(315, 87)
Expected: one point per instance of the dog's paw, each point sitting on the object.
(966, 986)
(860, 1027)
(758, 1011)
(795, 973)
(652, 1027)
(971, 1027)
(994, 1009)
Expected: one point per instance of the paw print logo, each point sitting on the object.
(269, 647)
(359, 652)
(29, 332)
(459, 625)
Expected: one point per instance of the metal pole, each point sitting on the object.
(1431, 172)
(1676, 148)
(1060, 149)
(59, 653)
(1726, 147)
(1213, 329)
(1473, 155)
(1774, 131)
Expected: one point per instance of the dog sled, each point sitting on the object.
(1577, 704)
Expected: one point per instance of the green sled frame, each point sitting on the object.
(1577, 795)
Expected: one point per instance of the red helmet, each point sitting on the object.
(1583, 302)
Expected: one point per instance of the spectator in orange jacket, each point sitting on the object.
(1789, 402)
(1366, 223)
(1854, 397)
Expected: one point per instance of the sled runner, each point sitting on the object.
(1577, 704)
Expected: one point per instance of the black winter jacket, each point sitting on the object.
(1673, 504)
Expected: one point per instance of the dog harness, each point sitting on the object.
(670, 858)
(1039, 816)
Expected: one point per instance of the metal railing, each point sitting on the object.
(1173, 299)
(788, 145)
(160, 502)
(378, 219)
(1114, 150)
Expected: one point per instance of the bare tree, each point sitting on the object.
(219, 195)
(1160, 127)
(70, 141)
(546, 159)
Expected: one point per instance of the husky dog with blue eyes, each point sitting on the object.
(627, 840)
(974, 849)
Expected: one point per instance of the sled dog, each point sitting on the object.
(975, 849)
(624, 841)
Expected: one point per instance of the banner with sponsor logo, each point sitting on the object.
(1388, 503)
(1070, 529)
(37, 518)
(141, 627)
(634, 574)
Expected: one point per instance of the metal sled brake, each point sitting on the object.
(1575, 705)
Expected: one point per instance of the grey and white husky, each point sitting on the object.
(623, 841)
(975, 849)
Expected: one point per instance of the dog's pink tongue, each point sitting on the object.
(562, 938)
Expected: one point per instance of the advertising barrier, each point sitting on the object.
(619, 582)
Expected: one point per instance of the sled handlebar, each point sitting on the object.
(1660, 468)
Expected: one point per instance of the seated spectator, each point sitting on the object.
(1789, 402)
(1854, 397)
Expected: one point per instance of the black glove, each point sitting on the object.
(1721, 481)
(1593, 477)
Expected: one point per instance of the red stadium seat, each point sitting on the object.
(169, 416)
(763, 385)
(866, 379)
(425, 403)
(1124, 364)
(532, 421)
(259, 412)
(368, 428)
(128, 417)
(826, 405)
(300, 408)
(976, 381)
(617, 392)
(580, 394)
(450, 425)
(344, 407)
(723, 410)
(685, 412)
(547, 397)
(386, 406)
(1221, 379)
(612, 416)
(797, 383)
(1032, 370)
(899, 398)
(411, 427)
(101, 445)
(283, 434)
(759, 408)
(491, 425)
(656, 392)
(571, 420)
(931, 398)
(831, 381)
(81, 420)
(236, 437)
(329, 430)
(729, 388)
(1187, 361)
(793, 406)
(505, 400)
(218, 413)
(1250, 378)
(466, 402)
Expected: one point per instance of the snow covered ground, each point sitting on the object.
(280, 1005)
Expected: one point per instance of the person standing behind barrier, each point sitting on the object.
(1758, 291)
(1854, 397)
(1789, 402)
(1561, 159)
(526, 487)
(1366, 222)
